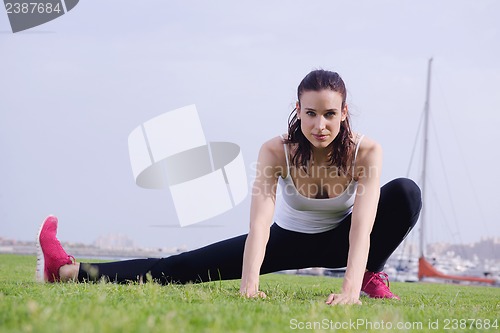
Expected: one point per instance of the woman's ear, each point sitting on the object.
(344, 113)
(297, 109)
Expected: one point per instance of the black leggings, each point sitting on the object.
(398, 210)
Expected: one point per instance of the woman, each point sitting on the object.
(330, 211)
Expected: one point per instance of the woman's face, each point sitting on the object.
(321, 113)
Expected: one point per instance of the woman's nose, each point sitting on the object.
(321, 123)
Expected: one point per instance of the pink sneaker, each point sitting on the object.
(375, 287)
(50, 254)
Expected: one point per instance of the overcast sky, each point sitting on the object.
(73, 89)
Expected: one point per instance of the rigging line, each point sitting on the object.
(453, 234)
(469, 178)
(415, 143)
(405, 242)
(447, 183)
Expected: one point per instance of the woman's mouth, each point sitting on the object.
(320, 137)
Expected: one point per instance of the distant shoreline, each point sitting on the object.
(88, 252)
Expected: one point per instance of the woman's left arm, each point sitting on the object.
(369, 165)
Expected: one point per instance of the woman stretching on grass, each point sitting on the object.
(330, 212)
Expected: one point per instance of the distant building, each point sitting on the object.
(114, 241)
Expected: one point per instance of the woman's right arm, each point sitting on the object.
(261, 216)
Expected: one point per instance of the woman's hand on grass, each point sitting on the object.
(252, 293)
(343, 299)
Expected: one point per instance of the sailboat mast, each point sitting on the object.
(425, 269)
(424, 166)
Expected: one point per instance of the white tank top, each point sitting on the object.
(299, 213)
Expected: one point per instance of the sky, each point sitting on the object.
(73, 89)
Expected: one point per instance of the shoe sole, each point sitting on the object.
(40, 260)
(362, 293)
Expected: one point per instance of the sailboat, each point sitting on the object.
(425, 268)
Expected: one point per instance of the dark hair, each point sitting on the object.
(342, 146)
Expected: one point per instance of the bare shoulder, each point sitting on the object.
(370, 152)
(272, 153)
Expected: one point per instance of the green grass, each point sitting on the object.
(293, 302)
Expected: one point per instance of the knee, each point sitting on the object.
(406, 195)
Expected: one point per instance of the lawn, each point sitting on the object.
(294, 303)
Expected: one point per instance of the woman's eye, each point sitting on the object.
(329, 114)
(310, 113)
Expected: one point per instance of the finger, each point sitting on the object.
(257, 294)
(337, 300)
(346, 301)
(254, 295)
(249, 294)
(340, 299)
(330, 298)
